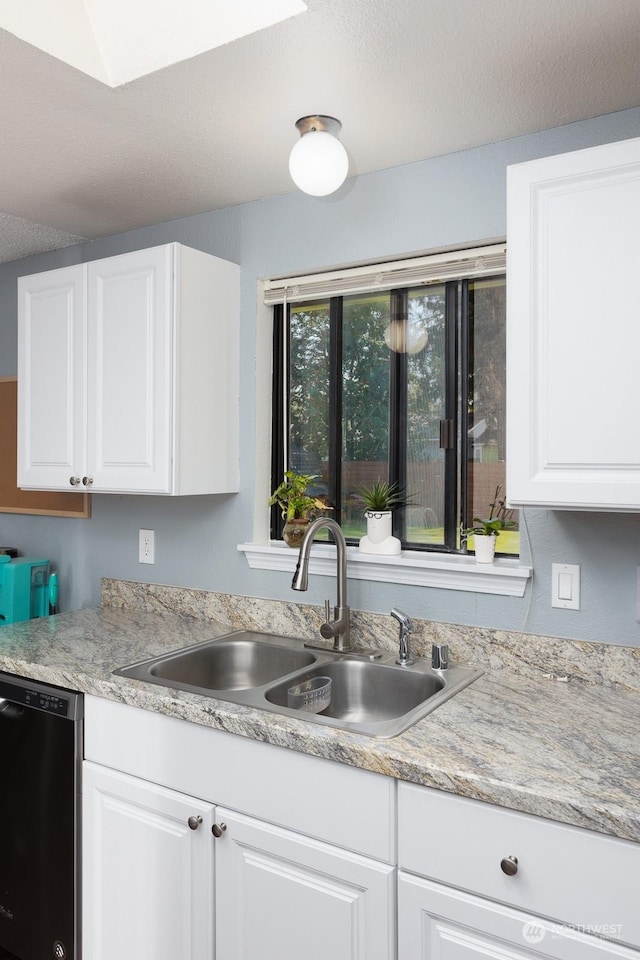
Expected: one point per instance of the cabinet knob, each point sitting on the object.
(74, 481)
(509, 865)
(194, 822)
(87, 481)
(218, 829)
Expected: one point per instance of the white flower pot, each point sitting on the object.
(485, 548)
(379, 538)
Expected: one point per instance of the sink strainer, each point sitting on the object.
(312, 695)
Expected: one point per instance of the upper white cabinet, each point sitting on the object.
(128, 375)
(51, 371)
(573, 336)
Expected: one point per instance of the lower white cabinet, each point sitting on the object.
(167, 876)
(436, 922)
(478, 881)
(148, 883)
(282, 896)
(147, 870)
(304, 857)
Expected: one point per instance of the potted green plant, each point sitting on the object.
(297, 506)
(379, 500)
(485, 531)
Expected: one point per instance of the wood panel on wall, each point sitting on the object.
(12, 499)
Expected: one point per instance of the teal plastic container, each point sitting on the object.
(24, 589)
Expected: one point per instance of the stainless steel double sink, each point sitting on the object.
(378, 699)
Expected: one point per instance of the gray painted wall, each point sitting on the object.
(434, 203)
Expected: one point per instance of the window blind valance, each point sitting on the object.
(436, 268)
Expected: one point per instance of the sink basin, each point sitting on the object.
(239, 662)
(378, 699)
(364, 692)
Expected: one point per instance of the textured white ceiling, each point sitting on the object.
(21, 238)
(409, 79)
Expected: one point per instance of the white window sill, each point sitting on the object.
(505, 577)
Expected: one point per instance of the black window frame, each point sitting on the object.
(454, 427)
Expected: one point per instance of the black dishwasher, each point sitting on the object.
(40, 767)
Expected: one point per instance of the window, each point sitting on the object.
(396, 372)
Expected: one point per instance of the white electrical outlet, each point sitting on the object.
(146, 546)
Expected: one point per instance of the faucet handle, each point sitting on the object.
(327, 629)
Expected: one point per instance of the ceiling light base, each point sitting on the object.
(318, 122)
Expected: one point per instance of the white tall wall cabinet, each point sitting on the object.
(128, 375)
(573, 330)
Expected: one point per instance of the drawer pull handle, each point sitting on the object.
(194, 822)
(218, 829)
(509, 866)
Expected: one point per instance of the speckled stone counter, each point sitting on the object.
(551, 729)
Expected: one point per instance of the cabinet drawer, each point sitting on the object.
(563, 872)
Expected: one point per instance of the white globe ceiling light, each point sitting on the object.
(318, 163)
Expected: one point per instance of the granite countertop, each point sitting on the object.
(567, 751)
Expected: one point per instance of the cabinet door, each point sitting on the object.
(281, 896)
(147, 876)
(51, 356)
(573, 249)
(440, 923)
(130, 372)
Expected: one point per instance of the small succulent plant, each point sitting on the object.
(382, 495)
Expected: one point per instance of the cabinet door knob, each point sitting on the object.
(218, 829)
(87, 481)
(194, 822)
(74, 481)
(509, 866)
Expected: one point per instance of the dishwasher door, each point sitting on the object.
(40, 756)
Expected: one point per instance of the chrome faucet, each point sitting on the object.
(406, 628)
(338, 628)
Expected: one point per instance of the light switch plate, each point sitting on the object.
(565, 586)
